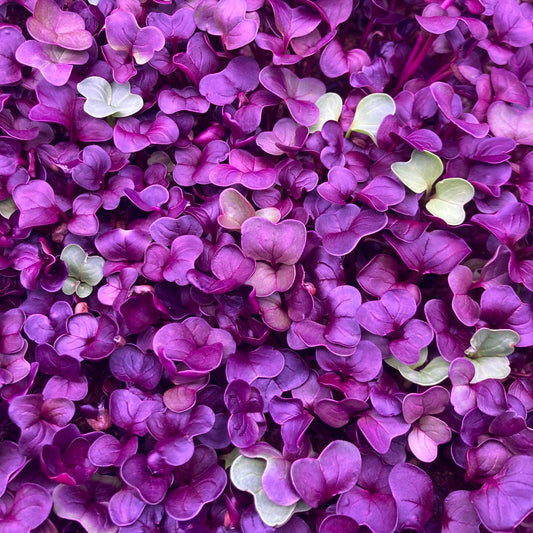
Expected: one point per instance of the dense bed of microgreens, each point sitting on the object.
(266, 265)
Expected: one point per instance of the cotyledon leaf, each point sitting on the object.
(370, 112)
(450, 196)
(420, 172)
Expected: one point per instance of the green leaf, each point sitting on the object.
(392, 361)
(84, 290)
(75, 258)
(246, 474)
(93, 271)
(235, 209)
(492, 343)
(271, 513)
(7, 207)
(163, 158)
(89, 270)
(330, 107)
(105, 100)
(69, 286)
(421, 360)
(270, 213)
(450, 196)
(420, 172)
(370, 112)
(229, 458)
(302, 507)
(433, 373)
(490, 368)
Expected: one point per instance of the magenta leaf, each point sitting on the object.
(300, 95)
(335, 471)
(36, 203)
(241, 75)
(503, 501)
(342, 229)
(413, 491)
(49, 24)
(436, 252)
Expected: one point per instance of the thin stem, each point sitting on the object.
(413, 67)
(442, 73)
(367, 33)
(446, 4)
(439, 72)
(414, 51)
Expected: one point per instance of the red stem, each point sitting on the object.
(414, 51)
(442, 73)
(367, 33)
(413, 67)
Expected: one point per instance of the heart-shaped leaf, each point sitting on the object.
(84, 272)
(300, 95)
(488, 350)
(330, 107)
(432, 374)
(450, 196)
(420, 172)
(7, 207)
(492, 342)
(506, 120)
(370, 112)
(246, 474)
(505, 499)
(36, 202)
(425, 437)
(459, 513)
(235, 209)
(49, 24)
(335, 471)
(490, 368)
(105, 99)
(413, 491)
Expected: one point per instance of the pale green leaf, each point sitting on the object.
(89, 270)
(490, 368)
(105, 99)
(450, 196)
(7, 207)
(75, 257)
(392, 361)
(246, 474)
(229, 458)
(302, 507)
(67, 507)
(370, 112)
(271, 513)
(163, 158)
(420, 172)
(83, 290)
(433, 373)
(235, 209)
(93, 270)
(70, 285)
(330, 107)
(492, 342)
(422, 359)
(270, 213)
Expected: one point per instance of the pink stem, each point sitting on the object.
(412, 68)
(414, 51)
